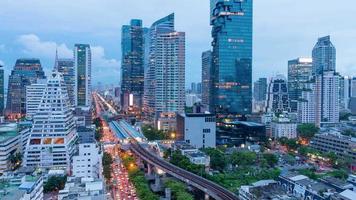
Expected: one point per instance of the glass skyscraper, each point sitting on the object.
(299, 74)
(25, 72)
(2, 90)
(66, 67)
(165, 75)
(132, 64)
(324, 56)
(82, 68)
(231, 22)
(207, 74)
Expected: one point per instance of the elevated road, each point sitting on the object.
(212, 189)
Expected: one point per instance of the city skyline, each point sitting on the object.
(18, 40)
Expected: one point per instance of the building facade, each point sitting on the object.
(9, 145)
(324, 56)
(197, 129)
(2, 93)
(66, 67)
(165, 76)
(207, 78)
(277, 95)
(52, 141)
(299, 74)
(132, 64)
(231, 23)
(345, 92)
(87, 163)
(34, 93)
(307, 104)
(260, 89)
(284, 127)
(82, 69)
(327, 98)
(25, 72)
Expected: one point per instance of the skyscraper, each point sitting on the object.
(345, 92)
(82, 69)
(232, 55)
(324, 56)
(299, 74)
(260, 89)
(327, 98)
(277, 95)
(132, 65)
(165, 76)
(25, 72)
(34, 93)
(66, 67)
(2, 95)
(53, 135)
(207, 78)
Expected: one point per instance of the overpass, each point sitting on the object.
(212, 189)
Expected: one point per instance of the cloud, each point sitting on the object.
(34, 46)
(102, 67)
(2, 63)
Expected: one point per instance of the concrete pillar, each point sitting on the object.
(149, 169)
(168, 193)
(206, 196)
(157, 180)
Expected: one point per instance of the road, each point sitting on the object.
(122, 188)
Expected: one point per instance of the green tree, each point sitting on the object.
(307, 131)
(107, 162)
(243, 158)
(341, 174)
(271, 159)
(217, 158)
(292, 144)
(349, 132)
(179, 190)
(55, 183)
(152, 133)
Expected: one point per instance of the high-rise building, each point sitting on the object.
(82, 71)
(25, 72)
(324, 56)
(232, 55)
(2, 94)
(345, 92)
(277, 95)
(132, 65)
(193, 88)
(327, 98)
(299, 74)
(260, 89)
(34, 93)
(207, 78)
(165, 76)
(52, 140)
(199, 88)
(306, 106)
(66, 67)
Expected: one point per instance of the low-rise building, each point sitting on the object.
(344, 146)
(9, 145)
(264, 189)
(284, 127)
(197, 129)
(83, 188)
(166, 121)
(88, 161)
(192, 153)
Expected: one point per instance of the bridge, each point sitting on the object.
(212, 189)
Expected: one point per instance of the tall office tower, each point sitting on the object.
(232, 55)
(2, 94)
(66, 67)
(345, 92)
(82, 71)
(199, 87)
(25, 72)
(299, 74)
(207, 78)
(165, 76)
(353, 87)
(327, 98)
(193, 88)
(277, 95)
(306, 106)
(324, 56)
(53, 136)
(34, 93)
(132, 65)
(260, 89)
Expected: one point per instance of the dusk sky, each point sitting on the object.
(283, 30)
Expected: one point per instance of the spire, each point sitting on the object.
(56, 60)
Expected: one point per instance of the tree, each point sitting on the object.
(107, 162)
(307, 131)
(152, 133)
(217, 158)
(292, 144)
(349, 132)
(271, 159)
(55, 183)
(243, 158)
(341, 174)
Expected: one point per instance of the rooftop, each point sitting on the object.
(8, 131)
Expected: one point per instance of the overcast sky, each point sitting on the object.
(283, 30)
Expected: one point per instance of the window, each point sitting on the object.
(206, 130)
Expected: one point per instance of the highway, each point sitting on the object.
(213, 189)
